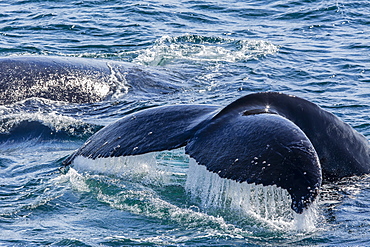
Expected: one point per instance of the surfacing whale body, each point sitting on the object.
(263, 138)
(74, 80)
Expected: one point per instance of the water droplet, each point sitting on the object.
(194, 208)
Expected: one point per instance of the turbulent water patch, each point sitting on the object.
(203, 48)
(26, 125)
(322, 55)
(203, 193)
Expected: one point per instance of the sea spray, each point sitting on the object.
(266, 206)
(140, 168)
(306, 222)
(142, 200)
(203, 48)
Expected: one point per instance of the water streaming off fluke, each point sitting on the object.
(240, 204)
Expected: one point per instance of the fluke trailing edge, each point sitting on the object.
(263, 138)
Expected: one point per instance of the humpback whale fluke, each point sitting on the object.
(262, 138)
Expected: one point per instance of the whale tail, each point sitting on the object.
(150, 130)
(263, 138)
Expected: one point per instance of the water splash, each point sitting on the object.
(142, 200)
(117, 81)
(240, 203)
(34, 124)
(269, 205)
(202, 48)
(141, 168)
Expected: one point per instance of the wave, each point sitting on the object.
(43, 126)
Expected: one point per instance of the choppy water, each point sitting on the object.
(210, 52)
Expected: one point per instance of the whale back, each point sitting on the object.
(78, 80)
(75, 80)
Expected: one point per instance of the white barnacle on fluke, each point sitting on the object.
(267, 108)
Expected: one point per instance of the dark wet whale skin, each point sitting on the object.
(75, 80)
(263, 138)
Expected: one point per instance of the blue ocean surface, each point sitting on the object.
(204, 52)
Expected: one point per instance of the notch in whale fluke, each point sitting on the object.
(263, 138)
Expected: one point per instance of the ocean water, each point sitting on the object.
(204, 52)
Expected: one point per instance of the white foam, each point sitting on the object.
(200, 48)
(117, 80)
(52, 119)
(265, 205)
(77, 180)
(142, 200)
(140, 168)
